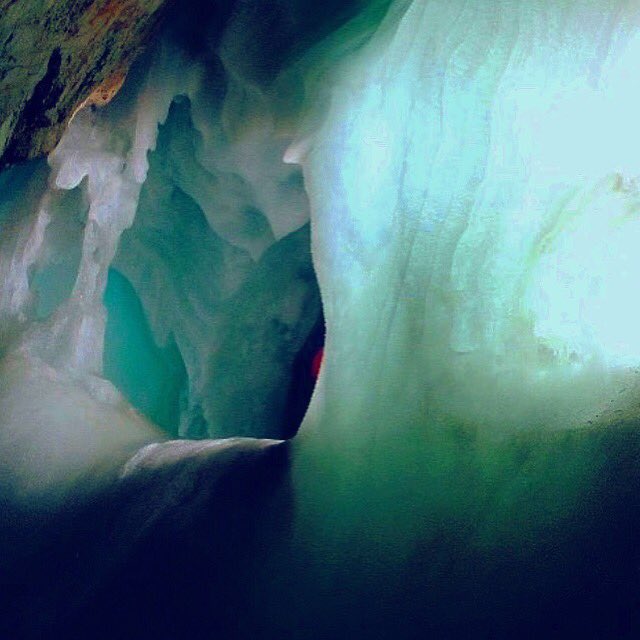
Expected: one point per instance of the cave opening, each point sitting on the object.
(171, 246)
(233, 307)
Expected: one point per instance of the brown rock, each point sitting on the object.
(56, 55)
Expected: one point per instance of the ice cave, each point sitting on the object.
(319, 320)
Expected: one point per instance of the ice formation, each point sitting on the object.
(219, 221)
(469, 174)
(455, 193)
(449, 154)
(475, 247)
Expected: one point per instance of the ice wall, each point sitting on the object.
(473, 194)
(467, 153)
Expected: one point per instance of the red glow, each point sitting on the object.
(316, 363)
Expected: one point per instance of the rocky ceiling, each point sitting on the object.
(57, 54)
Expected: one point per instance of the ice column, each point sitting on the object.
(103, 153)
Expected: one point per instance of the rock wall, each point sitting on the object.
(56, 55)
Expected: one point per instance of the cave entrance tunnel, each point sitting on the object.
(215, 325)
(213, 332)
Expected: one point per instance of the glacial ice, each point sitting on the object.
(198, 218)
(472, 194)
(475, 245)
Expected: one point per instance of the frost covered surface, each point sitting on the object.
(474, 200)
